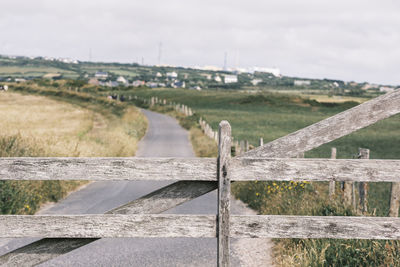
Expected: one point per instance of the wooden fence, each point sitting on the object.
(195, 177)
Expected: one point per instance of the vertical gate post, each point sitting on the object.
(332, 183)
(224, 191)
(363, 153)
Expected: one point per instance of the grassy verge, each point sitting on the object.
(38, 126)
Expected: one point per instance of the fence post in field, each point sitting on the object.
(246, 145)
(332, 183)
(363, 153)
(348, 193)
(241, 147)
(224, 191)
(394, 200)
(261, 143)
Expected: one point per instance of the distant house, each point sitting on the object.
(370, 86)
(301, 83)
(198, 88)
(20, 80)
(230, 79)
(101, 75)
(255, 81)
(206, 75)
(122, 80)
(178, 84)
(172, 75)
(94, 81)
(111, 84)
(152, 84)
(158, 75)
(3, 87)
(217, 79)
(137, 83)
(386, 89)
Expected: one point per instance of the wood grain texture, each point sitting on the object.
(275, 226)
(100, 226)
(166, 198)
(224, 193)
(332, 183)
(245, 169)
(363, 153)
(394, 200)
(242, 226)
(199, 169)
(331, 128)
(155, 202)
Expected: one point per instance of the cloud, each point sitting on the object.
(344, 39)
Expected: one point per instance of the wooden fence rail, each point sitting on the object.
(139, 218)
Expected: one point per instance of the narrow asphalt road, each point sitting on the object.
(164, 138)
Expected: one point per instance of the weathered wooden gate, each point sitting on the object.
(198, 176)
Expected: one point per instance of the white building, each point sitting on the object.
(172, 75)
(274, 71)
(301, 83)
(386, 89)
(217, 79)
(255, 81)
(101, 75)
(158, 75)
(122, 80)
(230, 79)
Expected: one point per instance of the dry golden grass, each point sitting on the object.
(61, 129)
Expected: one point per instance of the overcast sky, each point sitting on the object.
(342, 39)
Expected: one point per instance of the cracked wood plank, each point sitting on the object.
(298, 169)
(199, 169)
(341, 227)
(107, 226)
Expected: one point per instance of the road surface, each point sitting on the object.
(164, 138)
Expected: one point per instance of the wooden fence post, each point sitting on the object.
(363, 153)
(242, 147)
(394, 200)
(246, 145)
(261, 141)
(332, 183)
(224, 192)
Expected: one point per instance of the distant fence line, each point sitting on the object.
(240, 146)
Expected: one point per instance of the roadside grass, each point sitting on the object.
(271, 116)
(35, 126)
